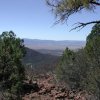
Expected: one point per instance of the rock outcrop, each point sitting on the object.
(47, 90)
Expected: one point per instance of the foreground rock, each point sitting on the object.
(45, 89)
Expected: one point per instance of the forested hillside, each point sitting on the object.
(39, 61)
(43, 62)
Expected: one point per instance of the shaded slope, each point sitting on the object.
(39, 60)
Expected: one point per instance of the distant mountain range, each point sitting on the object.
(52, 47)
(43, 55)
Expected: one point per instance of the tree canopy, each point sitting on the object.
(93, 52)
(81, 69)
(93, 44)
(11, 68)
(63, 9)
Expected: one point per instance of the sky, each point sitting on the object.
(33, 19)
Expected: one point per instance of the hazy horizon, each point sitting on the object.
(51, 40)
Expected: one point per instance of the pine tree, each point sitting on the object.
(63, 9)
(11, 69)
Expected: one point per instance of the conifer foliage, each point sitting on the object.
(81, 69)
(11, 69)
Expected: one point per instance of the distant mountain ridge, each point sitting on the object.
(52, 44)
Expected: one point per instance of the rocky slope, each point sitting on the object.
(48, 90)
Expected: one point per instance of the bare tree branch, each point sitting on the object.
(63, 11)
(96, 3)
(82, 25)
